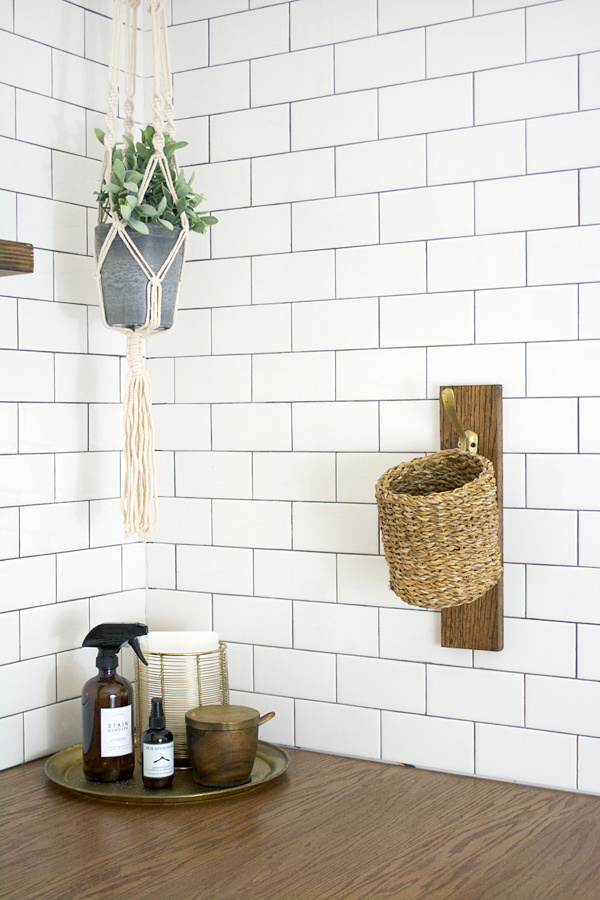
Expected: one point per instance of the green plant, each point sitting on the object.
(119, 193)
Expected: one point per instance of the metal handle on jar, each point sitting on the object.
(266, 718)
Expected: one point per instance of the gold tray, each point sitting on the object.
(65, 768)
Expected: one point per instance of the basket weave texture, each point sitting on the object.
(439, 525)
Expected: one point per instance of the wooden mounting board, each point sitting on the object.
(15, 258)
(477, 625)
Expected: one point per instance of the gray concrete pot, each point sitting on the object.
(124, 282)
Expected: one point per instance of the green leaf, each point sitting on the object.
(181, 204)
(166, 224)
(132, 200)
(112, 188)
(119, 170)
(139, 226)
(134, 176)
(125, 211)
(210, 220)
(99, 134)
(162, 206)
(146, 210)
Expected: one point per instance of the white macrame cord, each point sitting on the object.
(138, 499)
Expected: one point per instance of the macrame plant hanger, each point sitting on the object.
(138, 499)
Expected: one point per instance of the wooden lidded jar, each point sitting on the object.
(222, 743)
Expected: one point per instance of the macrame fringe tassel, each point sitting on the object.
(138, 501)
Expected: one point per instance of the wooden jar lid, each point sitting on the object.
(222, 718)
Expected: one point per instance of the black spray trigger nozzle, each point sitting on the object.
(135, 646)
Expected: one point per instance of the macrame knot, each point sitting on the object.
(134, 353)
(154, 6)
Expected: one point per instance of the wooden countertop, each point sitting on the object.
(331, 828)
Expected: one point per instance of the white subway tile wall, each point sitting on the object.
(408, 196)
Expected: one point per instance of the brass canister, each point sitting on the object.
(222, 743)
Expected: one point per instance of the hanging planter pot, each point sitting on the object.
(124, 283)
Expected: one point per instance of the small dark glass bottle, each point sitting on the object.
(158, 756)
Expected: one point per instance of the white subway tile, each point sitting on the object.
(316, 22)
(381, 60)
(52, 427)
(357, 474)
(9, 533)
(291, 76)
(482, 364)
(106, 427)
(470, 154)
(424, 213)
(247, 232)
(380, 165)
(215, 282)
(245, 35)
(589, 81)
(106, 524)
(514, 590)
(193, 10)
(9, 323)
(86, 573)
(8, 99)
(253, 620)
(252, 132)
(9, 428)
(7, 15)
(415, 635)
(183, 520)
(252, 426)
(540, 536)
(25, 64)
(526, 756)
(526, 314)
(9, 642)
(26, 168)
(395, 15)
(26, 376)
(334, 324)
(476, 262)
(87, 476)
(563, 593)
(51, 728)
(333, 728)
(52, 23)
(384, 269)
(320, 224)
(588, 652)
(74, 280)
(251, 329)
(195, 131)
(529, 426)
(541, 648)
(188, 45)
(213, 474)
(161, 565)
(563, 28)
(477, 694)
(563, 369)
(563, 142)
(211, 90)
(364, 580)
(527, 202)
(54, 528)
(589, 765)
(87, 379)
(50, 629)
(52, 326)
(380, 374)
(281, 178)
(589, 539)
(522, 92)
(74, 178)
(8, 212)
(566, 481)
(476, 43)
(12, 753)
(252, 523)
(217, 569)
(179, 611)
(589, 425)
(589, 186)
(566, 705)
(335, 426)
(293, 574)
(335, 527)
(189, 337)
(39, 284)
(293, 276)
(483, 7)
(293, 376)
(27, 582)
(410, 426)
(226, 185)
(26, 685)
(281, 729)
(295, 673)
(73, 669)
(52, 123)
(210, 380)
(127, 605)
(78, 81)
(423, 106)
(563, 255)
(165, 473)
(51, 225)
(381, 683)
(294, 476)
(241, 666)
(428, 742)
(421, 320)
(328, 121)
(514, 479)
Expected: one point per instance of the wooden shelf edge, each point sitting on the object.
(16, 258)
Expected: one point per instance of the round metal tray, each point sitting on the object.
(65, 768)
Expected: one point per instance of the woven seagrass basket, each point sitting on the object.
(439, 525)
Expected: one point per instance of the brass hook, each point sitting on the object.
(468, 439)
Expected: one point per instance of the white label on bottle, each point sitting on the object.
(158, 759)
(116, 732)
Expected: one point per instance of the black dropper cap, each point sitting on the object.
(157, 716)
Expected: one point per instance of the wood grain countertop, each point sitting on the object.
(331, 828)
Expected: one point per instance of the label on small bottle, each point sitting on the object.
(158, 759)
(116, 733)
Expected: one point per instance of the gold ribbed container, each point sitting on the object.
(184, 681)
